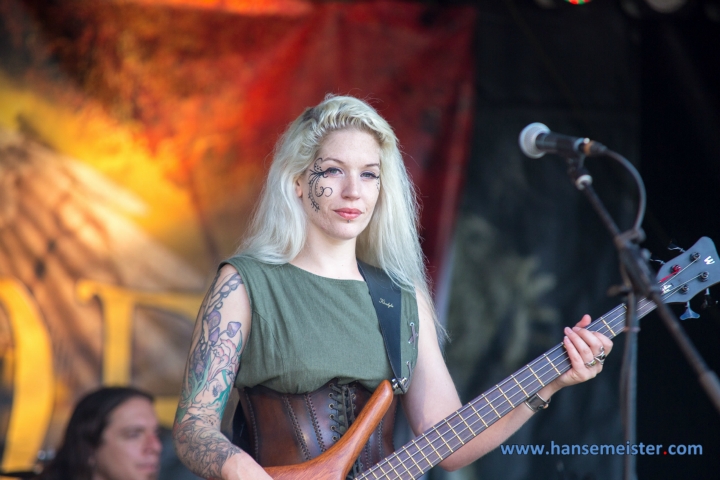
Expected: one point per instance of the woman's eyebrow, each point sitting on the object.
(326, 159)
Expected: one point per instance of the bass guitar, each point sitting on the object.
(679, 280)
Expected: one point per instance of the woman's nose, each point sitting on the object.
(351, 187)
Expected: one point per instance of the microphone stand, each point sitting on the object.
(638, 282)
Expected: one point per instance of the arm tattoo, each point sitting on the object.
(205, 450)
(213, 362)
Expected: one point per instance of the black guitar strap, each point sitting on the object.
(387, 300)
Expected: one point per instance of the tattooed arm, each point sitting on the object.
(222, 324)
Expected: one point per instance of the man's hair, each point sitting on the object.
(83, 434)
(390, 241)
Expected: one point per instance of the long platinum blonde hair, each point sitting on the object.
(390, 241)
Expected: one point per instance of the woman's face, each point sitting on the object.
(341, 187)
(130, 448)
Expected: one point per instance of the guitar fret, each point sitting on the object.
(388, 462)
(492, 406)
(608, 327)
(422, 452)
(468, 425)
(552, 364)
(503, 394)
(393, 468)
(434, 449)
(455, 433)
(404, 465)
(443, 439)
(536, 376)
(519, 385)
(416, 464)
(477, 413)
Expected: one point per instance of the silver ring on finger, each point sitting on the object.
(592, 363)
(600, 357)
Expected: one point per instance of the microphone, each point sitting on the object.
(536, 140)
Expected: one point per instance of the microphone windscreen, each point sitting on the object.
(527, 139)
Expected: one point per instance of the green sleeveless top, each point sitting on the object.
(307, 329)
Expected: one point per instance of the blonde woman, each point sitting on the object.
(289, 320)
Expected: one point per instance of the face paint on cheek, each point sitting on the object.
(317, 190)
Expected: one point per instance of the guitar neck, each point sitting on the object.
(440, 441)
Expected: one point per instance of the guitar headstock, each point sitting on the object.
(689, 273)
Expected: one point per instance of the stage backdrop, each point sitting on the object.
(134, 139)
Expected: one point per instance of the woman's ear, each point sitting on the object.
(298, 188)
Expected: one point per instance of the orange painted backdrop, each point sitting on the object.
(134, 138)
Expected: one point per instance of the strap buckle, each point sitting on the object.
(537, 403)
(399, 386)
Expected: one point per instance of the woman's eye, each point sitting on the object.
(370, 175)
(332, 171)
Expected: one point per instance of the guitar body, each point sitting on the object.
(336, 462)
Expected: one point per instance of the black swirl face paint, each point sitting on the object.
(317, 190)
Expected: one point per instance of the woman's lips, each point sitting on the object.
(348, 213)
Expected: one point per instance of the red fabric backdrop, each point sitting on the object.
(217, 87)
(198, 91)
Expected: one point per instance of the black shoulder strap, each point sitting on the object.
(387, 300)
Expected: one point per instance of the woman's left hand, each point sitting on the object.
(586, 350)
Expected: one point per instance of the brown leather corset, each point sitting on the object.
(285, 429)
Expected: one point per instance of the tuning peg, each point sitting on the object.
(688, 313)
(672, 246)
(708, 300)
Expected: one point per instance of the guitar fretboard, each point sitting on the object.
(424, 452)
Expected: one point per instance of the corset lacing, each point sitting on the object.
(343, 403)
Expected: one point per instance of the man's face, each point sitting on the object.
(130, 448)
